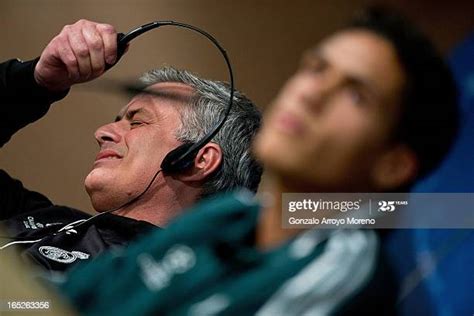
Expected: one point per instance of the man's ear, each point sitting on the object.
(208, 160)
(397, 167)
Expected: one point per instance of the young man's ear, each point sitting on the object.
(397, 167)
(208, 160)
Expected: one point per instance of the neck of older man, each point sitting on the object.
(162, 204)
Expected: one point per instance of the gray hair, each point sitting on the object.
(238, 168)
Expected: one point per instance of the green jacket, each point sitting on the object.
(206, 263)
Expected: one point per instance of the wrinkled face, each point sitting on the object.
(133, 147)
(334, 117)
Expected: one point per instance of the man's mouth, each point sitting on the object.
(107, 154)
(289, 123)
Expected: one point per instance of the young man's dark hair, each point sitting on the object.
(429, 115)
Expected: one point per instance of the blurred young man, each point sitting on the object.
(371, 109)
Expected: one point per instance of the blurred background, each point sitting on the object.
(263, 38)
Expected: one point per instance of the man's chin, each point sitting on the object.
(101, 204)
(95, 189)
(97, 179)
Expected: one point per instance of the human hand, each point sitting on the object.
(79, 53)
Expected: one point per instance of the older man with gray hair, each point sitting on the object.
(239, 168)
(178, 108)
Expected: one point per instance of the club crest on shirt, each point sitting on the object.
(61, 255)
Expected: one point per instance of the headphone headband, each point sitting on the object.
(182, 157)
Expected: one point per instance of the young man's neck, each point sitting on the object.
(270, 232)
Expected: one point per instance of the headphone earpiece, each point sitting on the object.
(179, 159)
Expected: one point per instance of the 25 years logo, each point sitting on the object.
(389, 206)
(386, 206)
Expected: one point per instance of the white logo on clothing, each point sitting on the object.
(61, 255)
(156, 275)
(30, 223)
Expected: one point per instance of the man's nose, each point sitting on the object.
(318, 91)
(108, 133)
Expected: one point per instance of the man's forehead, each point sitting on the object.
(173, 92)
(165, 88)
(363, 54)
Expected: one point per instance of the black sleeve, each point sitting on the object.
(15, 199)
(22, 101)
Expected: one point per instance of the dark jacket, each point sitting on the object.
(32, 221)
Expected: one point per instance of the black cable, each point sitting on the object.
(124, 205)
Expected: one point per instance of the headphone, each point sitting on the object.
(182, 157)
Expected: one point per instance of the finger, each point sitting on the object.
(81, 51)
(109, 39)
(96, 49)
(68, 58)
